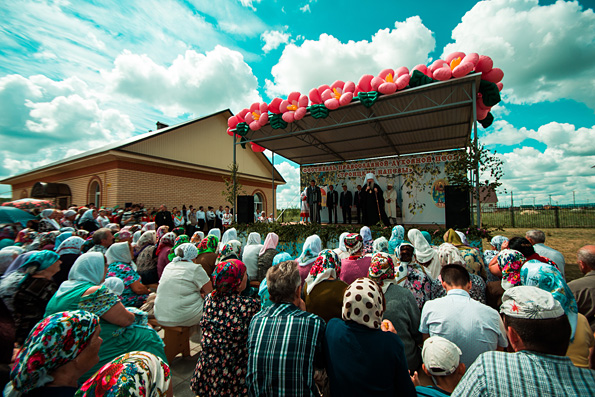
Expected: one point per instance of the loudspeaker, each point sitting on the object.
(245, 209)
(457, 209)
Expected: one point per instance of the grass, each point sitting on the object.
(541, 218)
(567, 241)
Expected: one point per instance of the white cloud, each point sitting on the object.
(322, 61)
(546, 52)
(194, 83)
(43, 120)
(273, 39)
(288, 195)
(305, 8)
(564, 166)
(249, 3)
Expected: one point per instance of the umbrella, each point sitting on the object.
(29, 203)
(14, 215)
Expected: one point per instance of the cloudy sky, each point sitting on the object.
(75, 75)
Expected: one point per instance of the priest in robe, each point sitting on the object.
(373, 202)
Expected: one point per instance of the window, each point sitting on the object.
(258, 203)
(95, 193)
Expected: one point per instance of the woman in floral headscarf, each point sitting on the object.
(548, 278)
(448, 254)
(181, 291)
(230, 250)
(496, 243)
(120, 264)
(181, 239)
(145, 258)
(69, 250)
(137, 373)
(367, 239)
(225, 323)
(323, 291)
(34, 287)
(473, 258)
(47, 222)
(401, 307)
(379, 245)
(122, 329)
(310, 250)
(507, 267)
(207, 253)
(412, 275)
(358, 348)
(356, 265)
(162, 252)
(58, 351)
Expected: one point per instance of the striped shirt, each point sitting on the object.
(285, 345)
(525, 374)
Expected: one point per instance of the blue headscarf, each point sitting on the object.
(88, 268)
(427, 236)
(38, 261)
(396, 238)
(88, 216)
(263, 291)
(63, 236)
(548, 278)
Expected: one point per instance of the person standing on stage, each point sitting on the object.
(345, 201)
(373, 202)
(314, 199)
(357, 201)
(304, 210)
(391, 201)
(332, 198)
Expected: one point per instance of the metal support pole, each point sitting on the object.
(273, 178)
(235, 210)
(476, 144)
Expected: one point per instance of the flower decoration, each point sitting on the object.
(294, 107)
(338, 94)
(390, 81)
(257, 116)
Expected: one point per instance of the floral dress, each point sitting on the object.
(223, 362)
(128, 275)
(419, 283)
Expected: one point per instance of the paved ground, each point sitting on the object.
(182, 369)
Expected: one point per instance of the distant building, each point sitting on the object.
(181, 164)
(488, 199)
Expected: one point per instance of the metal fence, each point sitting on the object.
(579, 216)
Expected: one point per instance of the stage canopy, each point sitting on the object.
(429, 118)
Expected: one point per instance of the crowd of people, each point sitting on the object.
(400, 316)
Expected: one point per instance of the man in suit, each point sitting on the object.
(345, 201)
(332, 198)
(357, 201)
(314, 197)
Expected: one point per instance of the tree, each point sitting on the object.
(230, 193)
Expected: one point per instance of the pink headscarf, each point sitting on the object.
(270, 242)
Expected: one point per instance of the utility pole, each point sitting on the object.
(533, 202)
(550, 200)
(573, 199)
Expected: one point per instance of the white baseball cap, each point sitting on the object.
(441, 357)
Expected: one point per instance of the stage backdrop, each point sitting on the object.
(419, 181)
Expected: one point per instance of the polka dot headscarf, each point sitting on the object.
(363, 303)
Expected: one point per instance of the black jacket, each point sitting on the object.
(346, 199)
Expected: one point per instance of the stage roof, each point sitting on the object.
(429, 118)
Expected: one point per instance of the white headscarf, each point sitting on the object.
(45, 214)
(230, 234)
(253, 239)
(118, 252)
(462, 237)
(68, 213)
(342, 246)
(380, 245)
(424, 252)
(310, 251)
(366, 234)
(114, 284)
(186, 252)
(448, 254)
(215, 232)
(136, 236)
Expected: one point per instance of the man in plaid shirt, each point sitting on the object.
(284, 341)
(539, 332)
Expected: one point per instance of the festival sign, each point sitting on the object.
(419, 181)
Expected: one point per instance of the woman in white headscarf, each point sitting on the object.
(310, 251)
(250, 255)
(119, 260)
(379, 245)
(182, 288)
(448, 254)
(366, 234)
(425, 255)
(230, 234)
(47, 222)
(88, 220)
(342, 251)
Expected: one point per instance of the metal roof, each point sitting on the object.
(433, 117)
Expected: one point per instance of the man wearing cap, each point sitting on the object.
(345, 201)
(474, 327)
(442, 363)
(391, 203)
(373, 202)
(539, 333)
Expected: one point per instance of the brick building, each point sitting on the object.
(181, 164)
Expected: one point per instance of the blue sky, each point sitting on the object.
(77, 75)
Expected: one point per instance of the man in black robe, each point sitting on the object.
(373, 202)
(314, 198)
(163, 217)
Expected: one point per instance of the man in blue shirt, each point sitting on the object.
(539, 333)
(474, 327)
(284, 341)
